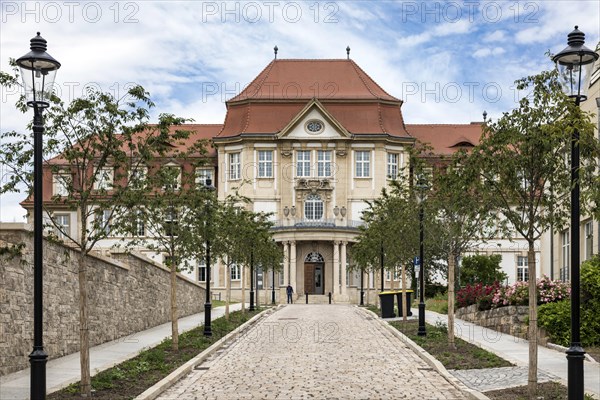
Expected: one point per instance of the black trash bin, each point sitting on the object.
(408, 303)
(387, 304)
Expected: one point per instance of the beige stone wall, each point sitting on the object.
(125, 296)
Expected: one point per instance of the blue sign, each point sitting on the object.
(417, 261)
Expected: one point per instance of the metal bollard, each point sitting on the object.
(306, 298)
(329, 297)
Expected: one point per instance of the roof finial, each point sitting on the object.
(484, 115)
(275, 49)
(348, 52)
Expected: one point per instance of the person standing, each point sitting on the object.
(289, 290)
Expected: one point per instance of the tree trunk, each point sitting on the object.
(404, 296)
(451, 270)
(532, 333)
(243, 288)
(227, 290)
(174, 326)
(84, 333)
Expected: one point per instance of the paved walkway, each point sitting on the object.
(315, 352)
(552, 364)
(65, 370)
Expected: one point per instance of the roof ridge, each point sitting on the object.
(356, 66)
(463, 124)
(267, 69)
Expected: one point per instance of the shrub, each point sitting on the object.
(482, 269)
(556, 317)
(476, 294)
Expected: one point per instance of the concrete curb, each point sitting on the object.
(429, 359)
(156, 390)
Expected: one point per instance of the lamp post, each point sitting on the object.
(38, 70)
(251, 281)
(574, 65)
(207, 304)
(421, 194)
(273, 286)
(381, 261)
(362, 290)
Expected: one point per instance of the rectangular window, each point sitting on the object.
(363, 164)
(392, 165)
(63, 225)
(564, 268)
(172, 176)
(104, 179)
(303, 163)
(324, 163)
(140, 227)
(522, 269)
(265, 163)
(103, 222)
(281, 282)
(171, 222)
(235, 272)
(235, 167)
(589, 240)
(202, 271)
(137, 177)
(61, 184)
(204, 174)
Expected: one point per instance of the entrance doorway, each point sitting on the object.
(314, 274)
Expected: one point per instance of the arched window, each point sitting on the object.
(313, 207)
(314, 257)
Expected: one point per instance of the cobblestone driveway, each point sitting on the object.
(315, 352)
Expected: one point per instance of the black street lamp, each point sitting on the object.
(362, 290)
(421, 195)
(38, 70)
(273, 286)
(574, 66)
(381, 261)
(207, 304)
(251, 281)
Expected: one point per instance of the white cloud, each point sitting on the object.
(495, 36)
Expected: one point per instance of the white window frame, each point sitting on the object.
(140, 226)
(204, 173)
(235, 273)
(102, 221)
(392, 165)
(66, 227)
(362, 163)
(588, 239)
(281, 275)
(172, 219)
(60, 184)
(303, 163)
(565, 243)
(104, 178)
(235, 166)
(178, 179)
(265, 163)
(201, 271)
(324, 162)
(137, 176)
(313, 205)
(522, 268)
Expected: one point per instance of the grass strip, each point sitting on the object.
(132, 377)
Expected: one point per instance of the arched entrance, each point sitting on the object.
(314, 274)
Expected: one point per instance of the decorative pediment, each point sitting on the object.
(314, 122)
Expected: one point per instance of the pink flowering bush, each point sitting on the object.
(517, 294)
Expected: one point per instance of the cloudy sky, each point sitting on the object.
(448, 60)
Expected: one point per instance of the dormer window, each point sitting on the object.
(104, 178)
(172, 177)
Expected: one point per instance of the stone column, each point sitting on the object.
(336, 268)
(286, 263)
(343, 261)
(293, 266)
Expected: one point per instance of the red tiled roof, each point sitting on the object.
(446, 139)
(306, 79)
(282, 90)
(199, 131)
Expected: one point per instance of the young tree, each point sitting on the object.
(521, 156)
(464, 220)
(160, 208)
(481, 268)
(90, 147)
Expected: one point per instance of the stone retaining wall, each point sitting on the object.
(127, 294)
(510, 319)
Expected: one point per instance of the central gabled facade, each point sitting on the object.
(311, 141)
